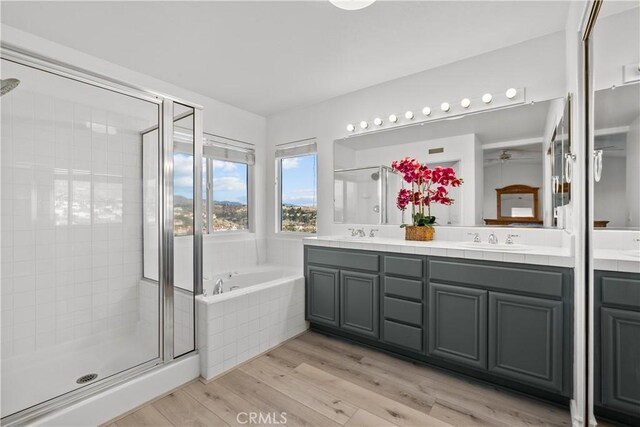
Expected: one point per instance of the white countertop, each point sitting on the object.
(615, 260)
(539, 255)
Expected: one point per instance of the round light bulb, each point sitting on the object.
(426, 111)
(445, 107)
(408, 115)
(511, 93)
(487, 98)
(393, 118)
(465, 103)
(364, 124)
(351, 127)
(352, 4)
(377, 121)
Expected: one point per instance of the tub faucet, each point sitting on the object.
(493, 239)
(217, 289)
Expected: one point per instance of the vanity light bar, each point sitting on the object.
(488, 101)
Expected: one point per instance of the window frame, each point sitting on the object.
(210, 231)
(278, 187)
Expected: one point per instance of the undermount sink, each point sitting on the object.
(356, 238)
(499, 247)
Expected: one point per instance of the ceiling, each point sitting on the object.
(268, 56)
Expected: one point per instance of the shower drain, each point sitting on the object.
(86, 378)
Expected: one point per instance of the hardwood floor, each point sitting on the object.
(320, 381)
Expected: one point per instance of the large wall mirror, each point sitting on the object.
(511, 160)
(616, 206)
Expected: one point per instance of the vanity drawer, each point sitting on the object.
(526, 279)
(337, 258)
(405, 288)
(402, 335)
(621, 291)
(403, 311)
(403, 266)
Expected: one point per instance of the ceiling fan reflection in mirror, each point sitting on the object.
(508, 155)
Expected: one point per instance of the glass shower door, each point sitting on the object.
(76, 307)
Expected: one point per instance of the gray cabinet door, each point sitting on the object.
(525, 339)
(322, 295)
(359, 303)
(458, 324)
(620, 369)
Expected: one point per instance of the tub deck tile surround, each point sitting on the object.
(537, 253)
(322, 381)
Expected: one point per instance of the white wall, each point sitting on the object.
(633, 174)
(535, 65)
(610, 200)
(615, 45)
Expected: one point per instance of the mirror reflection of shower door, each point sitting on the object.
(76, 306)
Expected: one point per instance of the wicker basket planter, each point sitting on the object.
(421, 233)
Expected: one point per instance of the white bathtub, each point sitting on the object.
(265, 309)
(239, 281)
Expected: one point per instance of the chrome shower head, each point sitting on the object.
(8, 85)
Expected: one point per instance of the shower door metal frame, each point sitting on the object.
(165, 217)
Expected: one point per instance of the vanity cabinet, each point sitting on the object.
(358, 303)
(343, 290)
(617, 364)
(525, 339)
(458, 324)
(403, 302)
(322, 294)
(506, 323)
(509, 319)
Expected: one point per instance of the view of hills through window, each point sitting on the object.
(224, 195)
(298, 195)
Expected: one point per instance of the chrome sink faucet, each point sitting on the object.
(217, 289)
(476, 237)
(357, 232)
(493, 239)
(510, 237)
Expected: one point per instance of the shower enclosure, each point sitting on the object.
(100, 233)
(366, 195)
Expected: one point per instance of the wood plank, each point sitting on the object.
(221, 401)
(458, 418)
(427, 378)
(183, 410)
(380, 381)
(304, 392)
(364, 418)
(145, 416)
(270, 400)
(388, 409)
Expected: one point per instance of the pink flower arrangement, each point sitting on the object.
(427, 186)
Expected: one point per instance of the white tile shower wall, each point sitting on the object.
(71, 214)
(234, 330)
(183, 316)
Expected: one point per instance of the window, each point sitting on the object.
(297, 196)
(226, 175)
(182, 193)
